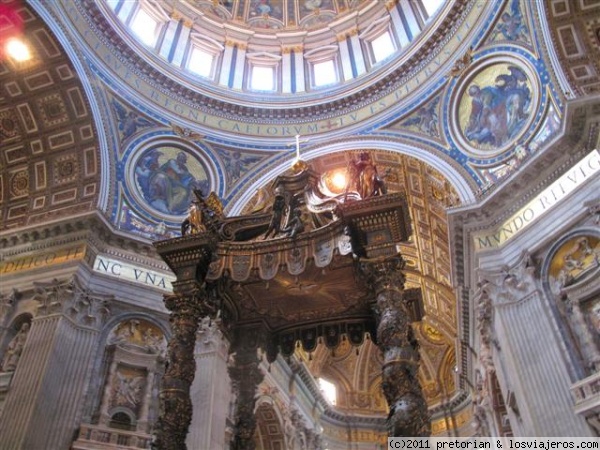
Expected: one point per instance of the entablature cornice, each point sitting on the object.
(578, 139)
(93, 234)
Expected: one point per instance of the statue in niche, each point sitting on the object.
(364, 178)
(14, 349)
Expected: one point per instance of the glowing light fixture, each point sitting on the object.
(339, 180)
(18, 50)
(328, 389)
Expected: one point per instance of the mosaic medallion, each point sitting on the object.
(166, 176)
(494, 107)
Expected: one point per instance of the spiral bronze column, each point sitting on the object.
(187, 306)
(245, 375)
(408, 414)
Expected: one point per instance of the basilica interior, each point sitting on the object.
(297, 224)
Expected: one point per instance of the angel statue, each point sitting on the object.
(202, 213)
(364, 177)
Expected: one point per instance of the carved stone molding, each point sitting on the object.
(69, 297)
(53, 295)
(512, 284)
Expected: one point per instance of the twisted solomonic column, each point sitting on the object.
(408, 410)
(188, 305)
(246, 375)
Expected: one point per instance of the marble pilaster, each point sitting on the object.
(50, 379)
(210, 391)
(528, 344)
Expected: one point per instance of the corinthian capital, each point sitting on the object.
(53, 295)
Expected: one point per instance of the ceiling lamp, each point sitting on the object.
(17, 50)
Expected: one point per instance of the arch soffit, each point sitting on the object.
(456, 176)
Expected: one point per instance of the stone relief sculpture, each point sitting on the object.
(574, 261)
(125, 333)
(128, 390)
(138, 335)
(289, 430)
(480, 406)
(484, 325)
(573, 265)
(595, 317)
(14, 349)
(135, 351)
